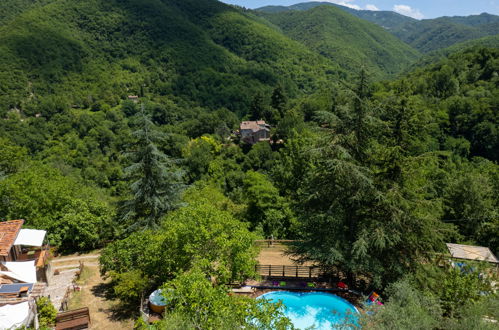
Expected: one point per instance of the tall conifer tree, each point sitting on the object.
(156, 182)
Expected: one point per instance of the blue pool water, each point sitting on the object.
(314, 309)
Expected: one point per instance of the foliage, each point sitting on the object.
(471, 199)
(356, 214)
(455, 286)
(206, 306)
(12, 157)
(201, 234)
(406, 308)
(156, 183)
(46, 312)
(198, 155)
(130, 286)
(348, 40)
(387, 19)
(267, 211)
(204, 52)
(76, 217)
(370, 178)
(435, 298)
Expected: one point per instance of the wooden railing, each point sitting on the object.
(279, 271)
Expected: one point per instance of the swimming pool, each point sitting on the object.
(315, 309)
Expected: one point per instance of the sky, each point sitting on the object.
(419, 9)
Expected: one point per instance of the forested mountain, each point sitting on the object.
(483, 19)
(345, 39)
(388, 19)
(436, 55)
(201, 51)
(424, 35)
(118, 131)
(431, 34)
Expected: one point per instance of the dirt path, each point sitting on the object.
(104, 312)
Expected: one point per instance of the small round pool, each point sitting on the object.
(319, 310)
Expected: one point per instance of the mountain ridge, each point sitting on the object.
(348, 40)
(78, 52)
(425, 35)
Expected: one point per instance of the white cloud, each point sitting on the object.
(346, 3)
(408, 11)
(372, 7)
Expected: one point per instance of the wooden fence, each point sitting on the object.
(280, 271)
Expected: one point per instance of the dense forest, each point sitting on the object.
(375, 162)
(424, 35)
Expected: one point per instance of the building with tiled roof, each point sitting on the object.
(254, 131)
(8, 235)
(22, 253)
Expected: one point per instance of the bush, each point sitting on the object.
(46, 312)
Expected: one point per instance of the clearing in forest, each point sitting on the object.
(94, 293)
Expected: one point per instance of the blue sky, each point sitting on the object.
(414, 8)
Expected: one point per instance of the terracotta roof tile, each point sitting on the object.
(254, 126)
(8, 234)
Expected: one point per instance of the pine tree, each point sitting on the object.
(156, 182)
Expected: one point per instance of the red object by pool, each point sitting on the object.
(342, 285)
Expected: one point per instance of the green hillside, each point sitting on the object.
(388, 19)
(429, 35)
(424, 35)
(436, 55)
(201, 51)
(345, 39)
(365, 179)
(473, 20)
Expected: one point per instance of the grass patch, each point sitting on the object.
(85, 275)
(75, 301)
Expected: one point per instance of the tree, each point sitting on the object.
(407, 308)
(75, 216)
(471, 201)
(268, 212)
(198, 154)
(193, 298)
(11, 157)
(257, 108)
(455, 287)
(355, 218)
(195, 303)
(203, 234)
(279, 101)
(156, 183)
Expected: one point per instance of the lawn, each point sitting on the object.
(94, 293)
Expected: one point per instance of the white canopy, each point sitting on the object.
(14, 316)
(30, 237)
(22, 271)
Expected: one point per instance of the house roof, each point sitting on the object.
(471, 252)
(8, 234)
(254, 126)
